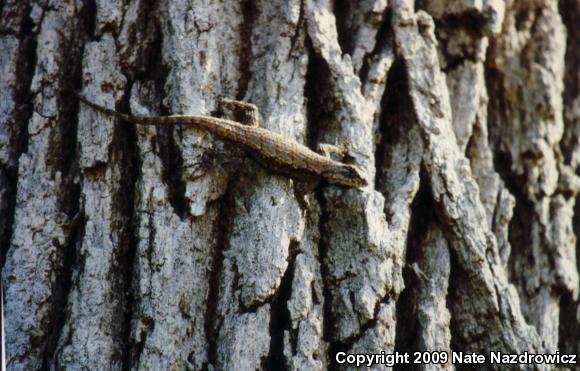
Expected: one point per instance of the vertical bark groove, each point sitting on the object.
(212, 319)
(23, 60)
(280, 316)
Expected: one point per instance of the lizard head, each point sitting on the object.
(347, 175)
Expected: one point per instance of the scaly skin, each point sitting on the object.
(274, 149)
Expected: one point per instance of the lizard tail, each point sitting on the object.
(121, 116)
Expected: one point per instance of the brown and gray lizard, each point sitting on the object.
(273, 150)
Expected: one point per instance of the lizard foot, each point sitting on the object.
(328, 150)
(249, 111)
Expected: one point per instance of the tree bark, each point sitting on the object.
(126, 247)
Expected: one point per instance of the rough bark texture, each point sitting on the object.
(128, 247)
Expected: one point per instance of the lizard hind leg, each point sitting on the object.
(249, 111)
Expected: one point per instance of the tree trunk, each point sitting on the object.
(126, 247)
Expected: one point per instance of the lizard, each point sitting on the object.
(271, 149)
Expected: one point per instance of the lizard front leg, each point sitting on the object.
(303, 184)
(249, 111)
(328, 150)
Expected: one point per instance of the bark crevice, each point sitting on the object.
(422, 216)
(15, 123)
(383, 39)
(124, 152)
(63, 284)
(212, 316)
(63, 159)
(395, 109)
(280, 316)
(249, 15)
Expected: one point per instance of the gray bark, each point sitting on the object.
(127, 247)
